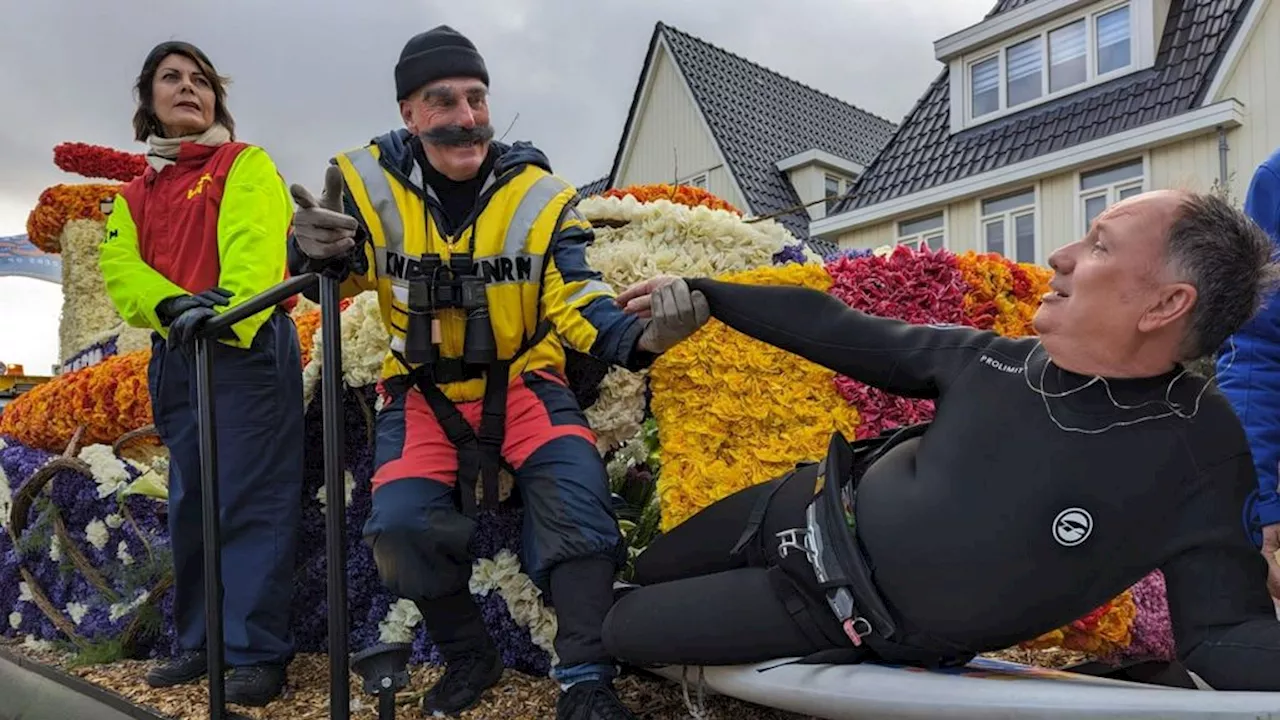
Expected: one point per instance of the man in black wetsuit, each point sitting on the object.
(1058, 471)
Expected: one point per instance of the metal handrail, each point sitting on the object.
(335, 495)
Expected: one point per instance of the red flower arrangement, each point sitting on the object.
(917, 286)
(96, 161)
(679, 194)
(60, 204)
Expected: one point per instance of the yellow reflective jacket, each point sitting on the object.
(528, 241)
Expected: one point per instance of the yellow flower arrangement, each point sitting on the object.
(1104, 632)
(733, 412)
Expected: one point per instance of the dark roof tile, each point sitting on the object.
(752, 114)
(916, 158)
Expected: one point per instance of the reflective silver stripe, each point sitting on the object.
(592, 286)
(531, 205)
(397, 343)
(383, 200)
(514, 264)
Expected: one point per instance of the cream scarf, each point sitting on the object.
(164, 151)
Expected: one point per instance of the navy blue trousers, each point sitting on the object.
(258, 415)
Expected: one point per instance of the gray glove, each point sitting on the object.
(322, 230)
(677, 313)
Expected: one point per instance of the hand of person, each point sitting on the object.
(322, 229)
(676, 313)
(170, 309)
(182, 332)
(638, 299)
(1270, 546)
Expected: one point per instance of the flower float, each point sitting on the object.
(718, 413)
(689, 195)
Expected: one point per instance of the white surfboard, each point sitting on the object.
(986, 688)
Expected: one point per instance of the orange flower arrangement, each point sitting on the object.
(109, 399)
(62, 203)
(307, 323)
(1103, 632)
(679, 194)
(1002, 296)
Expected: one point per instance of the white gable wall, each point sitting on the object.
(670, 140)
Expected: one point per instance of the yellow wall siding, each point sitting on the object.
(671, 141)
(1058, 225)
(1254, 82)
(868, 238)
(962, 226)
(1191, 164)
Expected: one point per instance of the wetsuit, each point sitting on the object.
(996, 524)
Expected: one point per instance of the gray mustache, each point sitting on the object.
(458, 135)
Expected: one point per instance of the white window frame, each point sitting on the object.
(1137, 51)
(1010, 218)
(916, 239)
(699, 180)
(1111, 191)
(842, 187)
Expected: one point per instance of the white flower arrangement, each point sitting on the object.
(500, 574)
(397, 626)
(618, 413)
(55, 549)
(364, 346)
(108, 470)
(96, 533)
(665, 237)
(87, 312)
(119, 610)
(122, 553)
(15, 619)
(523, 598)
(349, 484)
(76, 611)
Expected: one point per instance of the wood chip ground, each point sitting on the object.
(516, 697)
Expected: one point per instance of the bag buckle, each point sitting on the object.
(796, 539)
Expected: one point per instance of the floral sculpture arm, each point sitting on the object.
(897, 357)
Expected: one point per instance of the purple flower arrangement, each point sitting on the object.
(134, 556)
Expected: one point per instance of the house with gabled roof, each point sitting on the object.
(769, 145)
(1048, 111)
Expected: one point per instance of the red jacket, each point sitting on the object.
(218, 216)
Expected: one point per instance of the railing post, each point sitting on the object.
(335, 495)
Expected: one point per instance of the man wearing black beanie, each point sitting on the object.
(478, 257)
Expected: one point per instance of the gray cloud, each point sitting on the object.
(313, 78)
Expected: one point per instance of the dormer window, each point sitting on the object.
(1062, 54)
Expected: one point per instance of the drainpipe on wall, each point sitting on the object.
(1222, 158)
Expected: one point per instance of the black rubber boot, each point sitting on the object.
(591, 700)
(472, 662)
(188, 667)
(255, 685)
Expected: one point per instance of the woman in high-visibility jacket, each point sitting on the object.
(201, 231)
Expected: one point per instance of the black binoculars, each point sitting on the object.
(448, 286)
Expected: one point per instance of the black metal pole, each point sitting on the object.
(211, 531)
(387, 705)
(210, 505)
(335, 496)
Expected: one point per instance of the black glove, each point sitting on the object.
(170, 308)
(183, 330)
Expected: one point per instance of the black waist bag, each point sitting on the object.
(844, 579)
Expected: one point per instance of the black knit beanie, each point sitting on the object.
(440, 52)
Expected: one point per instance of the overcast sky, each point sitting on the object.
(310, 79)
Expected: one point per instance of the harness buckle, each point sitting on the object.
(797, 539)
(851, 628)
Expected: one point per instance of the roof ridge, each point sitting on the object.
(665, 27)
